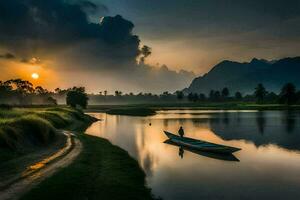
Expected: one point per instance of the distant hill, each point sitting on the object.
(244, 77)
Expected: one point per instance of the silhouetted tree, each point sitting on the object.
(179, 95)
(271, 97)
(238, 96)
(288, 94)
(202, 97)
(217, 95)
(77, 97)
(39, 90)
(225, 93)
(212, 95)
(195, 97)
(118, 93)
(260, 93)
(57, 90)
(51, 101)
(190, 96)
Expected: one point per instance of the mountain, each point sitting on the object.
(244, 77)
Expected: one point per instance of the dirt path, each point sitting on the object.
(39, 171)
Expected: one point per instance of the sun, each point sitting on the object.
(35, 75)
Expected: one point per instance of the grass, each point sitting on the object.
(102, 171)
(24, 129)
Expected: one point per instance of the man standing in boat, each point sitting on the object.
(181, 131)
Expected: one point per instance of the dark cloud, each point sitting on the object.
(92, 8)
(205, 17)
(204, 32)
(100, 52)
(34, 26)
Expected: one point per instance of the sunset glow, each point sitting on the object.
(35, 75)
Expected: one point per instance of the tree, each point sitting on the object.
(21, 89)
(39, 90)
(77, 97)
(57, 90)
(195, 97)
(217, 95)
(288, 94)
(271, 97)
(190, 96)
(238, 96)
(212, 95)
(202, 97)
(179, 95)
(260, 93)
(118, 93)
(105, 92)
(51, 101)
(225, 93)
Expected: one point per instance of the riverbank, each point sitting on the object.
(102, 171)
(32, 135)
(16, 186)
(28, 130)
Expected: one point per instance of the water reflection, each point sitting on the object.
(181, 152)
(227, 157)
(289, 121)
(261, 121)
(261, 128)
(269, 160)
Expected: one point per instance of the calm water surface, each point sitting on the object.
(269, 162)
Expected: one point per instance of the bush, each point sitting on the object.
(29, 130)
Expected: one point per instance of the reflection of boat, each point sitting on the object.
(226, 157)
(201, 145)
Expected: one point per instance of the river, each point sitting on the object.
(267, 167)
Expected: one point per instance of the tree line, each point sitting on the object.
(288, 95)
(22, 92)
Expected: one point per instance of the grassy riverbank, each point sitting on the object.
(102, 171)
(24, 130)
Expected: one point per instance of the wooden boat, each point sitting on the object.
(200, 144)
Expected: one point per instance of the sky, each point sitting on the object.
(197, 34)
(97, 43)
